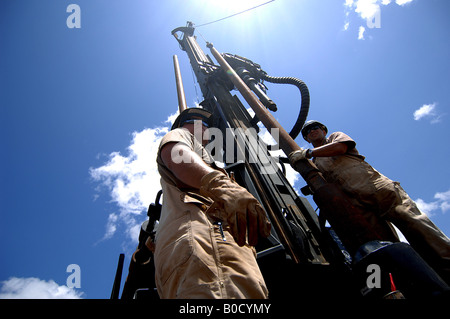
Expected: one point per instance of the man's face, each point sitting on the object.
(315, 134)
(199, 128)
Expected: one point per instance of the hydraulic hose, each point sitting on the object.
(304, 92)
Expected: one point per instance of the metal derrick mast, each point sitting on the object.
(297, 240)
(301, 257)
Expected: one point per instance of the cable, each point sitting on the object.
(235, 14)
(304, 92)
(195, 85)
(201, 35)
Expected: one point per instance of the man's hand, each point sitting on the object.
(298, 155)
(242, 211)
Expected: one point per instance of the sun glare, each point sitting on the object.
(235, 6)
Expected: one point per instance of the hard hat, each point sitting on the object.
(193, 112)
(311, 123)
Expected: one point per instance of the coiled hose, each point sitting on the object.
(304, 92)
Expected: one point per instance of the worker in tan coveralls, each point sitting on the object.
(208, 222)
(340, 163)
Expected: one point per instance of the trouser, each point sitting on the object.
(394, 205)
(422, 234)
(192, 260)
(384, 200)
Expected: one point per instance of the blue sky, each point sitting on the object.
(82, 109)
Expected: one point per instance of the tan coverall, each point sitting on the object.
(191, 258)
(368, 188)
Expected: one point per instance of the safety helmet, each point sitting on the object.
(312, 123)
(193, 112)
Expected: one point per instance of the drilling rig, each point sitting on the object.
(303, 256)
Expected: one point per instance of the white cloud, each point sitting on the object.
(35, 288)
(424, 110)
(349, 3)
(173, 117)
(132, 181)
(111, 226)
(403, 2)
(445, 206)
(428, 111)
(443, 196)
(368, 10)
(442, 202)
(425, 207)
(361, 33)
(346, 25)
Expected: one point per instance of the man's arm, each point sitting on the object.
(244, 214)
(191, 170)
(332, 149)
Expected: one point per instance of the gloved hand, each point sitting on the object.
(242, 211)
(297, 155)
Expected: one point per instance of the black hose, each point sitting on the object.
(304, 92)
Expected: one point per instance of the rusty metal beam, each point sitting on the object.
(347, 220)
(180, 89)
